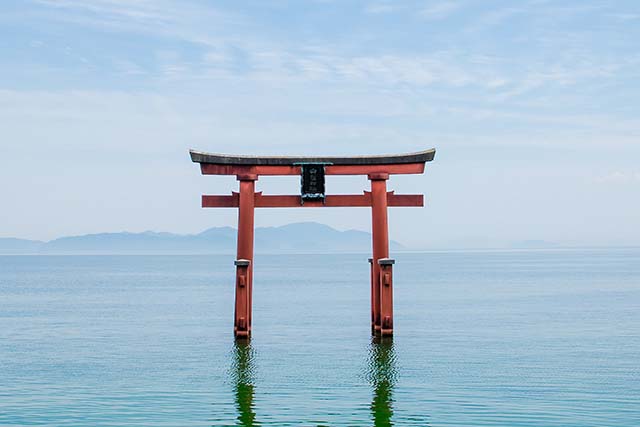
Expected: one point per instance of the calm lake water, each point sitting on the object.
(536, 338)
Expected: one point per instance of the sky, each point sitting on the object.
(533, 108)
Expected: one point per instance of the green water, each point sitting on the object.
(547, 338)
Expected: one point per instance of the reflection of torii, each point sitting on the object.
(243, 383)
(382, 376)
(312, 171)
(381, 373)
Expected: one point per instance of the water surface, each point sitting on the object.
(534, 338)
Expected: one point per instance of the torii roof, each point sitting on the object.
(386, 159)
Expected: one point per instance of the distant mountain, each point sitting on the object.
(19, 246)
(298, 237)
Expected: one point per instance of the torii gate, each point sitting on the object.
(312, 171)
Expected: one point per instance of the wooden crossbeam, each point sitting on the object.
(392, 169)
(292, 201)
(232, 201)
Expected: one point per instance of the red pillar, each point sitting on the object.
(244, 262)
(380, 236)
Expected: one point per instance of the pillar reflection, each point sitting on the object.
(242, 374)
(382, 376)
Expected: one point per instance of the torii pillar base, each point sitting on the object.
(242, 324)
(386, 296)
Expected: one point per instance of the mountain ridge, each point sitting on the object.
(294, 237)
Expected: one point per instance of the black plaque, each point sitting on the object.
(312, 182)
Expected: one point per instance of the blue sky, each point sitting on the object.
(532, 106)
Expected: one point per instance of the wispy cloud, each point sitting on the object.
(381, 6)
(185, 21)
(221, 50)
(625, 16)
(439, 10)
(127, 67)
(199, 46)
(619, 177)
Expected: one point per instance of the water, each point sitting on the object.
(547, 338)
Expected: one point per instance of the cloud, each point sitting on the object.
(488, 20)
(380, 7)
(202, 49)
(229, 46)
(183, 20)
(136, 10)
(619, 177)
(625, 16)
(439, 10)
(127, 67)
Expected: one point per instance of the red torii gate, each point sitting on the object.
(312, 170)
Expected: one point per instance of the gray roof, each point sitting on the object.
(226, 159)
